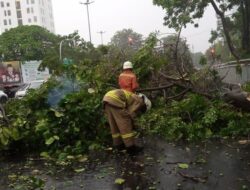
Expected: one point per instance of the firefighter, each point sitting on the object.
(121, 107)
(127, 79)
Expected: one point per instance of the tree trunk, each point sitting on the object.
(244, 8)
(238, 99)
(247, 2)
(225, 29)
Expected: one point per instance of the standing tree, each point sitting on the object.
(125, 43)
(27, 43)
(181, 12)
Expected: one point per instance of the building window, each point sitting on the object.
(19, 14)
(42, 11)
(32, 1)
(31, 10)
(28, 10)
(35, 19)
(27, 1)
(20, 22)
(5, 13)
(18, 5)
(9, 13)
(29, 20)
(7, 4)
(5, 22)
(9, 21)
(2, 4)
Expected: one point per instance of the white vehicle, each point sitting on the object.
(3, 97)
(32, 85)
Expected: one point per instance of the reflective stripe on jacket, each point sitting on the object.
(128, 81)
(124, 99)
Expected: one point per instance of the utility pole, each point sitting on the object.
(87, 5)
(101, 32)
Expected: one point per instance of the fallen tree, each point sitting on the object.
(176, 75)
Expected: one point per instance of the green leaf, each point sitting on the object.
(82, 159)
(94, 146)
(183, 166)
(79, 170)
(62, 156)
(15, 134)
(201, 161)
(44, 154)
(50, 141)
(152, 188)
(56, 137)
(70, 157)
(119, 181)
(4, 141)
(58, 114)
(6, 131)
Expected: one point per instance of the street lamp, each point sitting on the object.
(87, 5)
(101, 32)
(61, 43)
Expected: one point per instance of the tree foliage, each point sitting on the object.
(124, 44)
(195, 118)
(70, 128)
(27, 43)
(181, 12)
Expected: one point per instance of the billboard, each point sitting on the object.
(10, 73)
(31, 73)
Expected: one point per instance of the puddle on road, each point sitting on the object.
(163, 166)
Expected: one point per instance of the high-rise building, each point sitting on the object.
(14, 13)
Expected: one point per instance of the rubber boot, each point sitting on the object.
(134, 150)
(120, 147)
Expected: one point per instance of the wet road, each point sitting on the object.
(164, 166)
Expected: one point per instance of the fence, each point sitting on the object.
(228, 71)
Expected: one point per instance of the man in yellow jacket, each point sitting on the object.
(121, 107)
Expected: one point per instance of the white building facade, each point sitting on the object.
(15, 13)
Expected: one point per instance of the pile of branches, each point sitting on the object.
(175, 79)
(180, 74)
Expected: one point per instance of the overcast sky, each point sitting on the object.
(113, 15)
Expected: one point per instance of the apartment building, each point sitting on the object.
(15, 13)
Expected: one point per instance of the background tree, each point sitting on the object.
(196, 57)
(242, 22)
(27, 43)
(181, 12)
(124, 44)
(177, 48)
(74, 50)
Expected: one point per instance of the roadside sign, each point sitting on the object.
(30, 71)
(67, 61)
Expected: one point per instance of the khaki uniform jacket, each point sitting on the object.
(125, 100)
